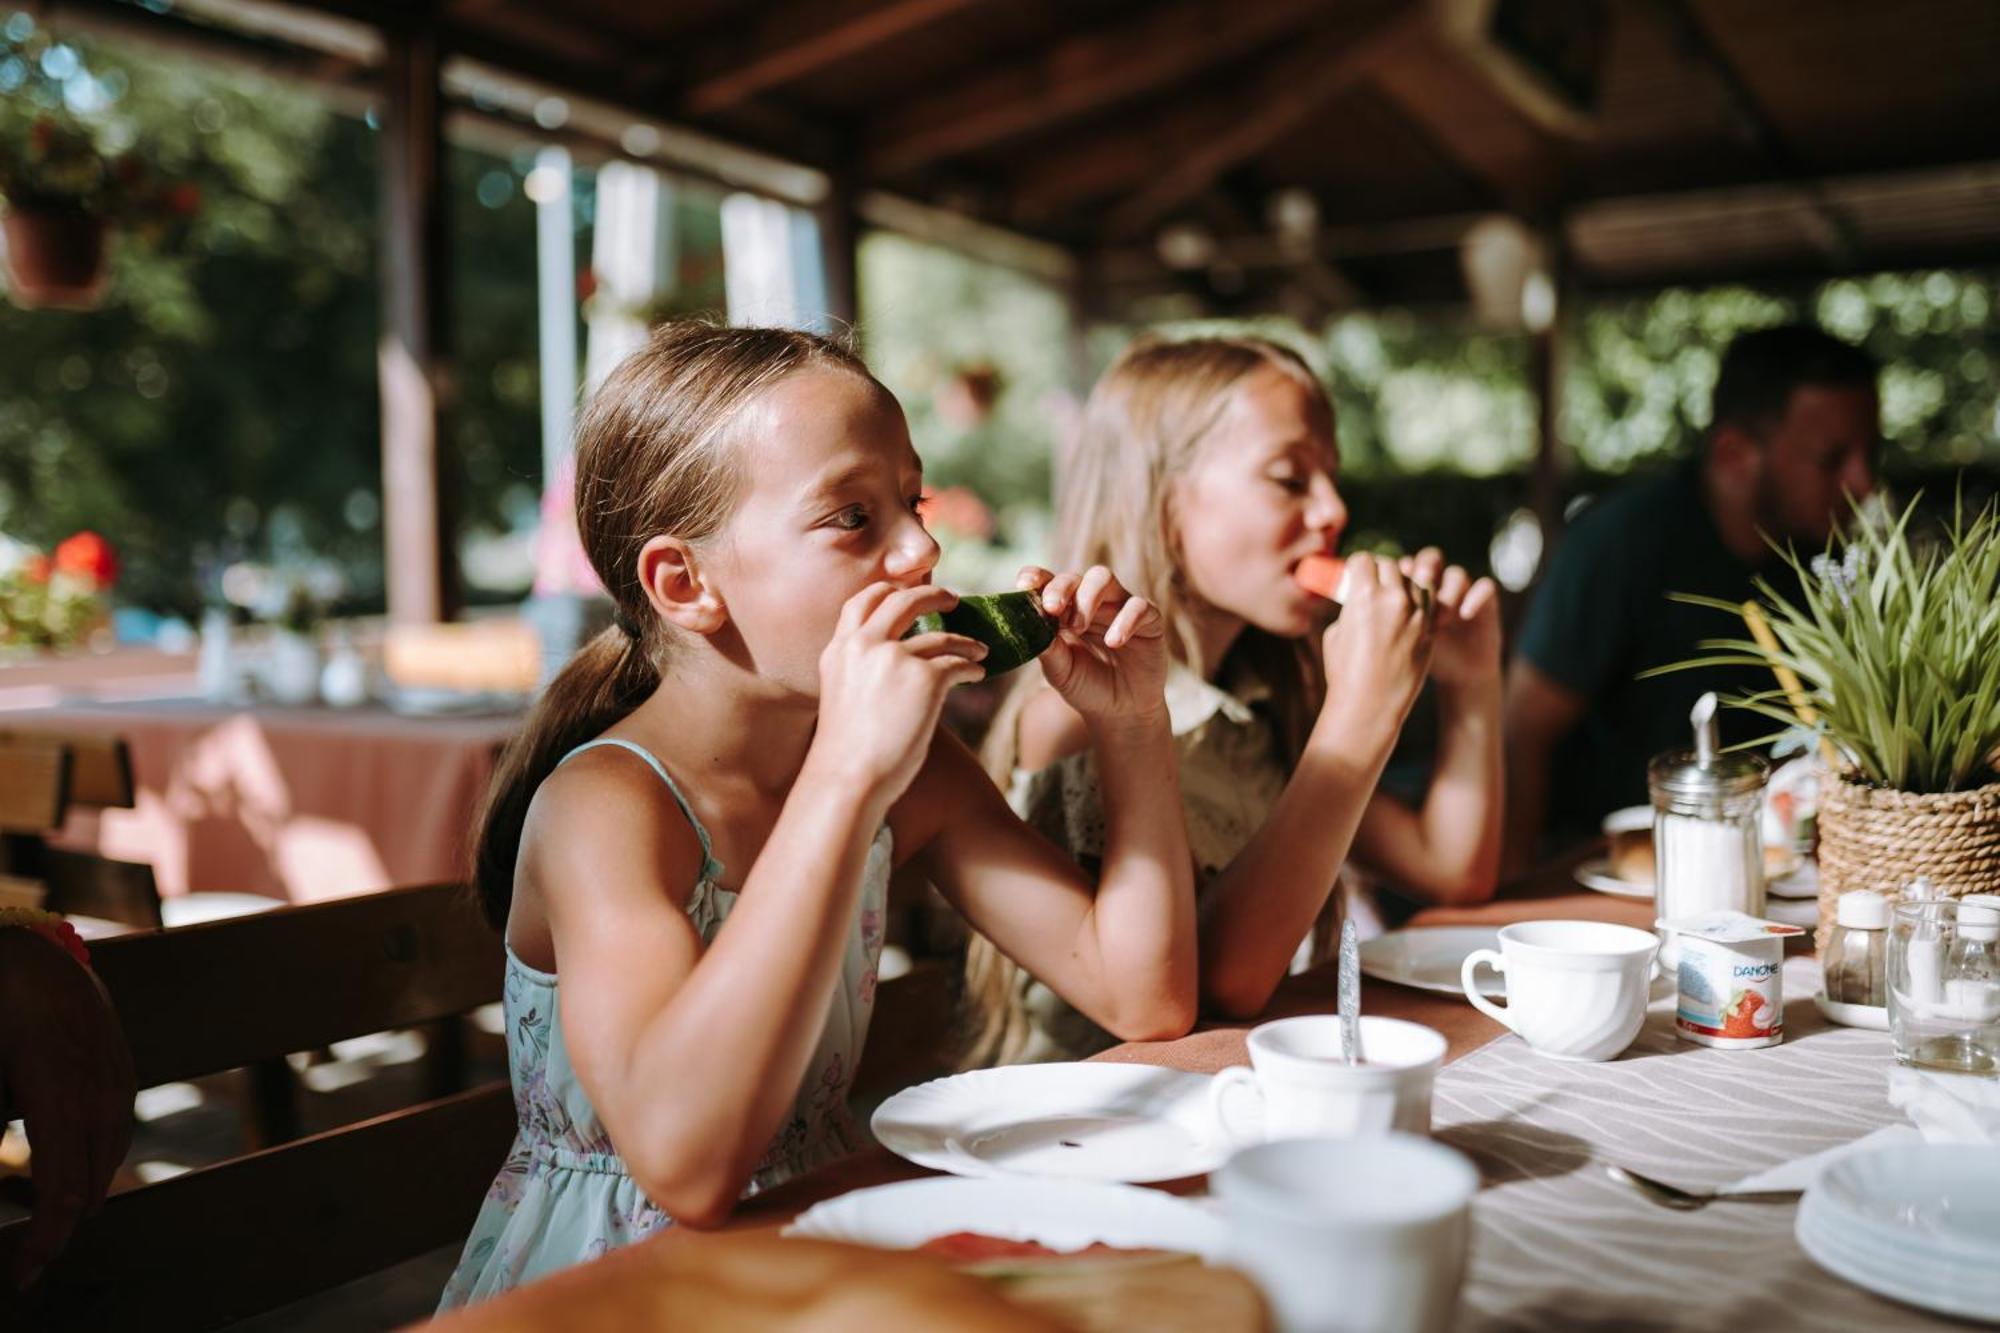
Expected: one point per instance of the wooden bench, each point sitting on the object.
(246, 1236)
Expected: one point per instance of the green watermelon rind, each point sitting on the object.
(1012, 625)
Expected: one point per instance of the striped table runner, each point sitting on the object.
(1559, 1245)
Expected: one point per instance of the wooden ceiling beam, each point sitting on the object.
(1077, 75)
(1312, 76)
(1831, 229)
(1470, 123)
(800, 38)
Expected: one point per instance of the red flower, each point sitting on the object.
(586, 283)
(88, 555)
(183, 199)
(37, 569)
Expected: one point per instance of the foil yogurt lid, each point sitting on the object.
(1728, 927)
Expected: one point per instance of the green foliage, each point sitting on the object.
(223, 402)
(1897, 642)
(926, 316)
(1639, 376)
(225, 382)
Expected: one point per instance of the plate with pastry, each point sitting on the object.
(1094, 1257)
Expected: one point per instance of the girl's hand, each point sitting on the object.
(1109, 660)
(1377, 653)
(880, 694)
(1467, 650)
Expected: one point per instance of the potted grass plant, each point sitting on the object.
(1891, 654)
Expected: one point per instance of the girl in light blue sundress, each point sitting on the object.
(688, 846)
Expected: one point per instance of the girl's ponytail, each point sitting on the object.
(609, 677)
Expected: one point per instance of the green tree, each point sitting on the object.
(223, 400)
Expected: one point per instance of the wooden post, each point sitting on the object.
(412, 364)
(839, 244)
(1545, 369)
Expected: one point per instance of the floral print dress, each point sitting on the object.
(564, 1195)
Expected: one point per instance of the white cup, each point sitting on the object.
(1576, 990)
(1351, 1234)
(1299, 1074)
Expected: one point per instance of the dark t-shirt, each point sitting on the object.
(1602, 615)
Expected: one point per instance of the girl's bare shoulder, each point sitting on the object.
(605, 814)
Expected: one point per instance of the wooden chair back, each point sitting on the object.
(43, 776)
(916, 1032)
(100, 772)
(247, 1236)
(34, 785)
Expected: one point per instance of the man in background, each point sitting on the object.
(1792, 437)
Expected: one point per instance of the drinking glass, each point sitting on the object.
(1944, 985)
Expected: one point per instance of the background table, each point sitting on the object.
(300, 804)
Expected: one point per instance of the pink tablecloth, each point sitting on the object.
(295, 803)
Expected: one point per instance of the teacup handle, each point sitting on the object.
(1467, 982)
(1235, 1079)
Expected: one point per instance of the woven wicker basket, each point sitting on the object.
(1874, 838)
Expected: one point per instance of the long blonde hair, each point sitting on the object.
(1143, 427)
(652, 457)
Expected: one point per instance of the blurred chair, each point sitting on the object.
(243, 1237)
(498, 656)
(96, 775)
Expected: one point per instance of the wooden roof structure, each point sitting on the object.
(1339, 148)
(1303, 156)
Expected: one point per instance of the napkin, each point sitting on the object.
(1942, 1107)
(1947, 1108)
(1800, 1172)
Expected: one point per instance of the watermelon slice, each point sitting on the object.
(1323, 576)
(1012, 625)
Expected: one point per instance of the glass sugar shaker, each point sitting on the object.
(1708, 852)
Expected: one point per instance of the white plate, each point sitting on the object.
(1952, 1290)
(1919, 1223)
(1597, 874)
(1429, 958)
(1941, 1198)
(1081, 1121)
(1871, 1016)
(1061, 1214)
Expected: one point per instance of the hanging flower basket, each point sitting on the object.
(57, 258)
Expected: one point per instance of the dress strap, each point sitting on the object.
(711, 869)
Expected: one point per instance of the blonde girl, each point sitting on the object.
(1204, 472)
(688, 846)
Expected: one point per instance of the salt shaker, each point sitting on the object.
(1708, 854)
(1855, 965)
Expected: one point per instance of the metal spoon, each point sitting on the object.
(1686, 1200)
(1350, 991)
